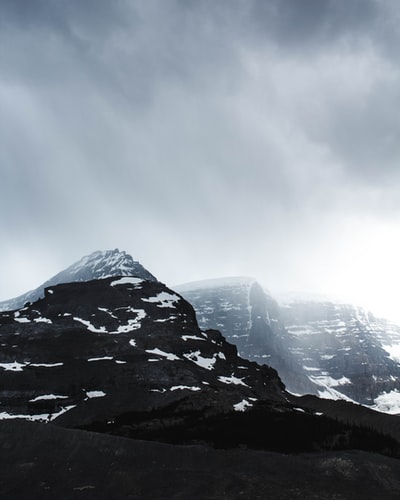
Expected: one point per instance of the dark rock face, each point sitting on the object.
(89, 352)
(251, 319)
(97, 265)
(336, 351)
(345, 348)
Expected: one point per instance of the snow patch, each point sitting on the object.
(89, 325)
(22, 320)
(44, 417)
(104, 358)
(46, 365)
(128, 280)
(95, 394)
(168, 355)
(329, 393)
(132, 324)
(393, 351)
(232, 380)
(242, 406)
(182, 387)
(388, 402)
(14, 367)
(192, 337)
(42, 320)
(195, 357)
(47, 396)
(164, 299)
(326, 380)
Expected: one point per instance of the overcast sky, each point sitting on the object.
(206, 138)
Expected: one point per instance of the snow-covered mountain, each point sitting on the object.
(97, 265)
(335, 350)
(347, 349)
(250, 318)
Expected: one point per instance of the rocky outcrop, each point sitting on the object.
(346, 349)
(93, 352)
(251, 319)
(337, 351)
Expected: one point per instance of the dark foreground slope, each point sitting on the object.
(41, 461)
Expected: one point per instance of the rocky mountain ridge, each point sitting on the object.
(97, 265)
(91, 350)
(251, 319)
(336, 351)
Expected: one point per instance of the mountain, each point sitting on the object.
(334, 350)
(130, 398)
(90, 352)
(347, 349)
(97, 265)
(250, 318)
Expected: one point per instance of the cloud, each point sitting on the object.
(206, 138)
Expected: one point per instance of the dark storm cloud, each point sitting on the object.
(310, 23)
(206, 125)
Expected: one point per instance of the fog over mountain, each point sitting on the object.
(206, 138)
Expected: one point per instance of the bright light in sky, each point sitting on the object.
(368, 268)
(358, 264)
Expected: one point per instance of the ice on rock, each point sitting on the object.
(393, 350)
(22, 320)
(95, 394)
(192, 337)
(46, 397)
(164, 299)
(199, 360)
(232, 380)
(42, 320)
(46, 365)
(242, 406)
(388, 402)
(182, 387)
(44, 417)
(133, 323)
(89, 325)
(15, 366)
(127, 280)
(104, 358)
(168, 355)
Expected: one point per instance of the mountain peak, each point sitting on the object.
(103, 264)
(97, 265)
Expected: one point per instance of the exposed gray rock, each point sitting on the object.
(251, 319)
(345, 348)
